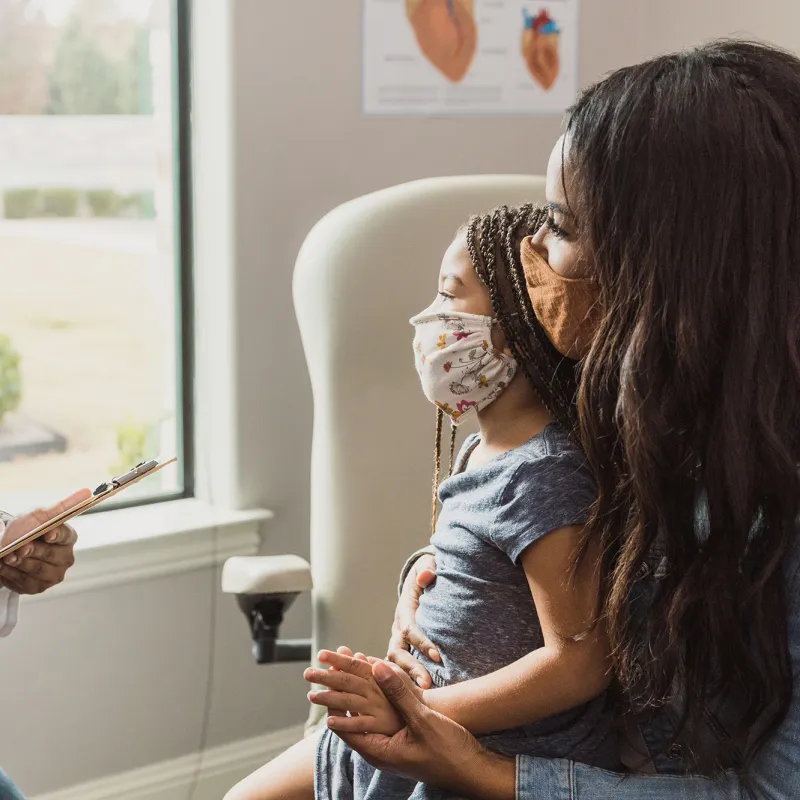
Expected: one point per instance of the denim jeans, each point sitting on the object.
(7, 789)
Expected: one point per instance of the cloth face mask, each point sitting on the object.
(459, 369)
(565, 307)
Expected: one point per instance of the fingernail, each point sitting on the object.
(51, 537)
(331, 722)
(434, 653)
(382, 672)
(26, 551)
(11, 560)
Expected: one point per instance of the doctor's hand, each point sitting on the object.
(430, 748)
(40, 564)
(405, 631)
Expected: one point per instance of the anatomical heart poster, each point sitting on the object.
(443, 57)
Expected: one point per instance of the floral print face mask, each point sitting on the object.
(460, 370)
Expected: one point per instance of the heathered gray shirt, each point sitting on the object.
(480, 612)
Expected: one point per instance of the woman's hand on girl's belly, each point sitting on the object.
(406, 633)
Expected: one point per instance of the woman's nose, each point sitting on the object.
(537, 240)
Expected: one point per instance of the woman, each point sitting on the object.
(676, 187)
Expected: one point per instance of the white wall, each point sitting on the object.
(302, 147)
(677, 23)
(102, 682)
(113, 680)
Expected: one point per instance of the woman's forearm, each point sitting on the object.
(541, 684)
(490, 777)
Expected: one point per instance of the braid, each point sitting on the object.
(437, 466)
(452, 447)
(530, 219)
(437, 463)
(493, 242)
(516, 275)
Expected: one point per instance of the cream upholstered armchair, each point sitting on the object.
(363, 271)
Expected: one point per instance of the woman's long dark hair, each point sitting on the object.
(684, 175)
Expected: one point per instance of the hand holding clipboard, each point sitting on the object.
(37, 549)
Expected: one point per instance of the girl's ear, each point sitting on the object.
(499, 340)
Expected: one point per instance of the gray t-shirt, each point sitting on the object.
(480, 612)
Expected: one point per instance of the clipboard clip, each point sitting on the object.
(120, 480)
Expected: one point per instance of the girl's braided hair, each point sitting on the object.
(494, 242)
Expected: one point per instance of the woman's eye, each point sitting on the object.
(446, 296)
(555, 229)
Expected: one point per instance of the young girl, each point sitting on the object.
(520, 662)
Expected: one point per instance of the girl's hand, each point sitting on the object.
(352, 687)
(405, 631)
(430, 748)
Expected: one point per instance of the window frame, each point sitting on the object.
(181, 36)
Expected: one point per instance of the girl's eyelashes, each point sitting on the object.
(555, 229)
(446, 296)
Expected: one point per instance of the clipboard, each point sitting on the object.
(105, 490)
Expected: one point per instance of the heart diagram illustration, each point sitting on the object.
(446, 33)
(540, 40)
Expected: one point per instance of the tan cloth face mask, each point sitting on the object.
(565, 307)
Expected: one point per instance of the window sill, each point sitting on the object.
(135, 544)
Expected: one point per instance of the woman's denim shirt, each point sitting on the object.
(774, 773)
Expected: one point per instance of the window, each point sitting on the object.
(95, 356)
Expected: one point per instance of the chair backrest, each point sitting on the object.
(362, 272)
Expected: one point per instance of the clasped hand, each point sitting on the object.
(351, 687)
(352, 696)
